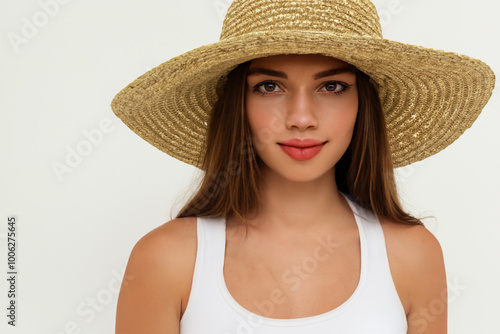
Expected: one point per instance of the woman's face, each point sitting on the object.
(301, 97)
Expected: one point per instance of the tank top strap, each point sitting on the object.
(374, 234)
(211, 235)
(379, 277)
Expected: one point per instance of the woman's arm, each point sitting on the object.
(418, 270)
(158, 276)
(426, 283)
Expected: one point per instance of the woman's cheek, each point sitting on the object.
(260, 119)
(340, 118)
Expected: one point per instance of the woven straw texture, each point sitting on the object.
(429, 97)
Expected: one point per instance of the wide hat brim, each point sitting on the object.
(429, 97)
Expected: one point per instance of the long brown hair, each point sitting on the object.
(230, 184)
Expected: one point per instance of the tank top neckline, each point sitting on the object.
(304, 320)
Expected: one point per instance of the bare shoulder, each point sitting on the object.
(415, 242)
(418, 270)
(169, 249)
(159, 272)
(175, 237)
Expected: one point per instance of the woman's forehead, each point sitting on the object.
(293, 60)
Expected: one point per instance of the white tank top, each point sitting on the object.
(373, 308)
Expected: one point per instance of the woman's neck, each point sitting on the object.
(299, 207)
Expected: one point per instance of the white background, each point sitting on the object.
(76, 230)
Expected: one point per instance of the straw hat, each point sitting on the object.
(429, 97)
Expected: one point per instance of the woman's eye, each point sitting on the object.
(267, 87)
(335, 87)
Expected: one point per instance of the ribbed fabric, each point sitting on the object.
(373, 308)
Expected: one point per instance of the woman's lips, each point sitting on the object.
(302, 153)
(302, 142)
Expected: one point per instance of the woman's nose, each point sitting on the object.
(301, 111)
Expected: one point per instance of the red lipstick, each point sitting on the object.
(302, 149)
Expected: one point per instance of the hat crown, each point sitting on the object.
(340, 17)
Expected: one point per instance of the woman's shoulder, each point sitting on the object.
(168, 251)
(414, 242)
(173, 229)
(159, 274)
(416, 263)
(174, 241)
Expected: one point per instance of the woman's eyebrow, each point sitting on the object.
(334, 71)
(327, 73)
(259, 70)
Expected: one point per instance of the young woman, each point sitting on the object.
(297, 116)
